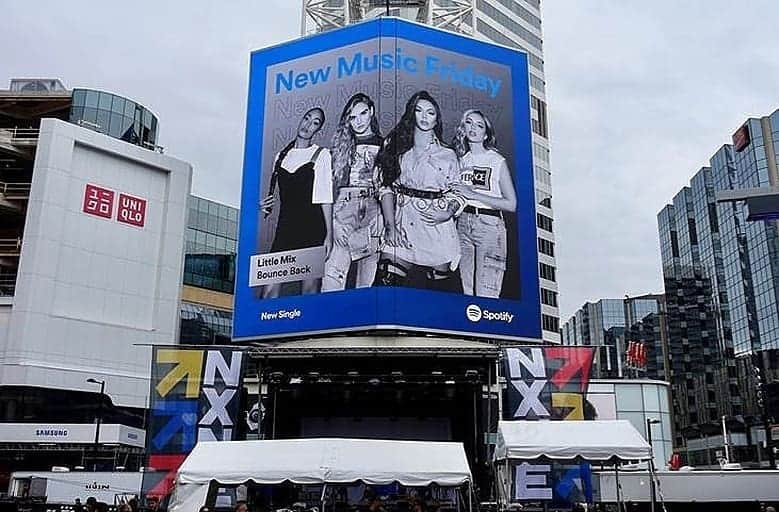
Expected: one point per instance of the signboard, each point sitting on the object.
(387, 183)
(70, 433)
(99, 201)
(549, 383)
(741, 138)
(194, 397)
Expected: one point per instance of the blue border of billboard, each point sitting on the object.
(412, 309)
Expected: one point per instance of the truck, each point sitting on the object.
(58, 490)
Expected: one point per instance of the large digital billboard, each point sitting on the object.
(387, 183)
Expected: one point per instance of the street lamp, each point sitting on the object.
(649, 423)
(99, 416)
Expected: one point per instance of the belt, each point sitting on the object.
(422, 194)
(348, 193)
(483, 211)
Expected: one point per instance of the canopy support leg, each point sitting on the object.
(619, 488)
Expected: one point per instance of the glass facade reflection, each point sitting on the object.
(721, 276)
(210, 244)
(203, 325)
(115, 116)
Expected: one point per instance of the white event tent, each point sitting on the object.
(317, 462)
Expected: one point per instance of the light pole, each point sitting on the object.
(99, 417)
(653, 497)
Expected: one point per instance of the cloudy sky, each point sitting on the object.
(640, 94)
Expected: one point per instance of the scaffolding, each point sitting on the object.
(323, 15)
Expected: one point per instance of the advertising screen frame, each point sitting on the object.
(449, 313)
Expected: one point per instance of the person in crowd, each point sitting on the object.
(125, 507)
(133, 504)
(152, 503)
(241, 506)
(77, 506)
(356, 214)
(91, 504)
(302, 171)
(417, 201)
(485, 181)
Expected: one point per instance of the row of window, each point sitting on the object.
(510, 24)
(523, 13)
(547, 272)
(540, 125)
(548, 297)
(550, 323)
(546, 247)
(544, 222)
(497, 36)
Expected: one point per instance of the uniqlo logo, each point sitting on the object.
(132, 210)
(98, 201)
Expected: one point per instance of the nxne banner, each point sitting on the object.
(387, 183)
(194, 397)
(549, 383)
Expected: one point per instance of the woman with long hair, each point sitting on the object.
(356, 211)
(485, 181)
(302, 171)
(417, 172)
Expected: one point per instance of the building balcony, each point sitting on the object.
(20, 142)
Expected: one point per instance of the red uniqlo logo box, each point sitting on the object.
(98, 201)
(132, 210)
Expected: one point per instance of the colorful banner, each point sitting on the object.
(387, 183)
(549, 383)
(194, 397)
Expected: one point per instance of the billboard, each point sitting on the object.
(549, 383)
(194, 397)
(387, 183)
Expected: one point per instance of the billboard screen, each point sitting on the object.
(387, 183)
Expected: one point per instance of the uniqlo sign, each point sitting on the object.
(132, 210)
(98, 201)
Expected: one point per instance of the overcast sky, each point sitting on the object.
(640, 95)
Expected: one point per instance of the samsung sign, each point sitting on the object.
(387, 183)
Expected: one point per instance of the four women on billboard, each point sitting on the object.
(407, 210)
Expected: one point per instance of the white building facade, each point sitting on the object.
(514, 23)
(100, 268)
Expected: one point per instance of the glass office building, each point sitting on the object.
(514, 23)
(209, 273)
(114, 115)
(605, 324)
(721, 275)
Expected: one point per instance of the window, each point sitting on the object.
(548, 297)
(540, 124)
(547, 272)
(498, 37)
(550, 323)
(532, 39)
(545, 247)
(544, 222)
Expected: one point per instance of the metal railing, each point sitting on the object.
(15, 190)
(19, 136)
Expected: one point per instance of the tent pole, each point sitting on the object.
(470, 496)
(619, 488)
(322, 498)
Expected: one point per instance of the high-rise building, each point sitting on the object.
(608, 325)
(514, 23)
(721, 273)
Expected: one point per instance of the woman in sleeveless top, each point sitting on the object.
(486, 183)
(303, 175)
(418, 171)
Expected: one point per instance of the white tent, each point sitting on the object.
(317, 461)
(599, 440)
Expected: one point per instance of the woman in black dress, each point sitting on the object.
(302, 171)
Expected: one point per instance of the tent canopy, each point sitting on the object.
(326, 460)
(598, 440)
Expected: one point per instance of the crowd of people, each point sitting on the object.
(407, 209)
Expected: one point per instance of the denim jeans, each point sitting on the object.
(483, 248)
(357, 223)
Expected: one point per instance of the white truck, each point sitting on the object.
(57, 489)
